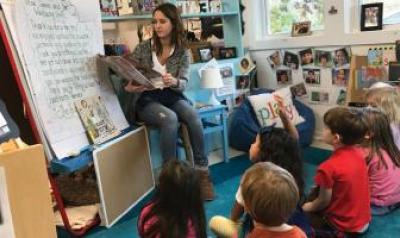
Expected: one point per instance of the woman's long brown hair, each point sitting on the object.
(178, 36)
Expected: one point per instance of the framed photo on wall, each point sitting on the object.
(371, 16)
(227, 53)
(301, 28)
(205, 54)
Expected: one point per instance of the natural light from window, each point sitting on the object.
(282, 14)
(391, 10)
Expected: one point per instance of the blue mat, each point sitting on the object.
(226, 177)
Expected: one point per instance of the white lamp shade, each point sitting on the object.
(211, 78)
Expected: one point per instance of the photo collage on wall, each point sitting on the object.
(319, 69)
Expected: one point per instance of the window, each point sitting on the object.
(391, 10)
(282, 14)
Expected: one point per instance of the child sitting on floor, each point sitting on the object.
(387, 98)
(270, 196)
(279, 146)
(343, 201)
(383, 163)
(176, 211)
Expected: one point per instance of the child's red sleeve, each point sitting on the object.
(324, 177)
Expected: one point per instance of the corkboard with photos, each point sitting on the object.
(317, 76)
(376, 66)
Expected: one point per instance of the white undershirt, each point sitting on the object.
(157, 66)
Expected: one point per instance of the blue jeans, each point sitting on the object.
(167, 119)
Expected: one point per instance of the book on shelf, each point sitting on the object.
(125, 7)
(130, 70)
(96, 120)
(145, 6)
(215, 6)
(108, 8)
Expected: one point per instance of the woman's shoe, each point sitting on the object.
(207, 188)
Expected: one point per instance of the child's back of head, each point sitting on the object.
(387, 99)
(177, 202)
(348, 124)
(279, 147)
(270, 193)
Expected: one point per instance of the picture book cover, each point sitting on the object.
(370, 75)
(96, 120)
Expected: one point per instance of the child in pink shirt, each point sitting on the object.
(383, 163)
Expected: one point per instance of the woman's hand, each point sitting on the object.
(169, 80)
(134, 88)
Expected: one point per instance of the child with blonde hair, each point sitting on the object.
(279, 146)
(383, 162)
(387, 98)
(270, 212)
(342, 205)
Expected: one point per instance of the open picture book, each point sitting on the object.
(130, 70)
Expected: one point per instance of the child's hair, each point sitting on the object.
(380, 137)
(386, 98)
(348, 123)
(279, 147)
(177, 201)
(270, 193)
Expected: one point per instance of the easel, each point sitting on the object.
(17, 74)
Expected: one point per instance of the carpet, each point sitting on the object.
(226, 177)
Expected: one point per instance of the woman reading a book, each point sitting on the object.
(168, 54)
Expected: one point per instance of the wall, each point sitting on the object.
(341, 30)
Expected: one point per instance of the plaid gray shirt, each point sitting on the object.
(177, 65)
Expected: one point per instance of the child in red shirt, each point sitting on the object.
(343, 198)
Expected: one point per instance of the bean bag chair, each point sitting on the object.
(243, 124)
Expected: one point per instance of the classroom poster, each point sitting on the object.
(59, 40)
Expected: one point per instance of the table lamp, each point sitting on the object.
(211, 79)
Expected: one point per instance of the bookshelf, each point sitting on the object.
(232, 30)
(148, 16)
(231, 20)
